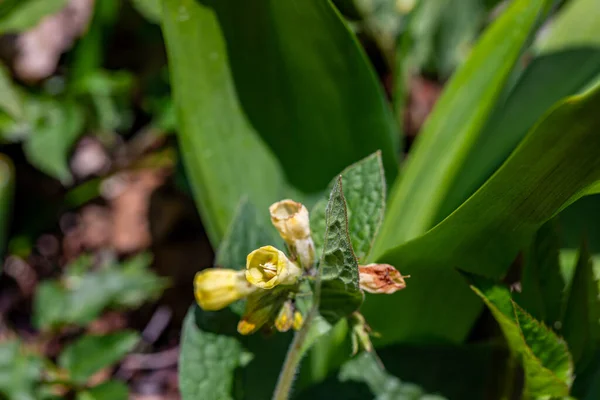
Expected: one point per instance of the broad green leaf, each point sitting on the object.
(82, 295)
(576, 25)
(21, 15)
(54, 127)
(246, 233)
(310, 93)
(111, 390)
(544, 356)
(547, 172)
(207, 362)
(364, 190)
(546, 80)
(10, 100)
(224, 157)
(340, 294)
(367, 368)
(455, 124)
(91, 353)
(7, 174)
(19, 371)
(581, 324)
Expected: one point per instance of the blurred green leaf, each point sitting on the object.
(54, 127)
(21, 15)
(581, 324)
(545, 358)
(111, 390)
(207, 361)
(150, 9)
(455, 124)
(91, 353)
(547, 172)
(546, 80)
(216, 139)
(10, 100)
(19, 371)
(340, 294)
(364, 191)
(575, 25)
(7, 176)
(82, 295)
(367, 368)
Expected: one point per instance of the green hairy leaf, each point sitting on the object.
(547, 172)
(340, 294)
(207, 362)
(455, 124)
(545, 358)
(91, 353)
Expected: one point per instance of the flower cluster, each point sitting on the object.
(271, 279)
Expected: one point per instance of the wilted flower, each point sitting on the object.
(291, 220)
(380, 278)
(216, 288)
(285, 318)
(268, 267)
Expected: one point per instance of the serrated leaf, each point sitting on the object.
(581, 323)
(340, 294)
(547, 172)
(207, 362)
(19, 371)
(111, 390)
(364, 190)
(91, 353)
(246, 233)
(20, 15)
(544, 356)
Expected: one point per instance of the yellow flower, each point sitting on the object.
(380, 278)
(216, 288)
(298, 321)
(292, 222)
(285, 318)
(261, 308)
(268, 267)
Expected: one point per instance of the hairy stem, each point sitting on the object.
(296, 350)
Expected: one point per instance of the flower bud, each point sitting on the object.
(298, 321)
(291, 220)
(360, 334)
(380, 278)
(268, 267)
(216, 288)
(261, 308)
(285, 318)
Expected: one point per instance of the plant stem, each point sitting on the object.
(296, 350)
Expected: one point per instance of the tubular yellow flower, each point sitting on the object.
(380, 278)
(291, 220)
(285, 318)
(268, 267)
(216, 288)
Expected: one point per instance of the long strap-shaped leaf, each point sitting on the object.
(455, 124)
(556, 164)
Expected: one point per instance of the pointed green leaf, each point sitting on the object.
(581, 324)
(364, 190)
(111, 390)
(455, 124)
(91, 353)
(207, 361)
(338, 267)
(10, 100)
(546, 361)
(547, 172)
(20, 15)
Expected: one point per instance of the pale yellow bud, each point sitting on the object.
(291, 220)
(268, 267)
(216, 288)
(285, 318)
(298, 321)
(380, 278)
